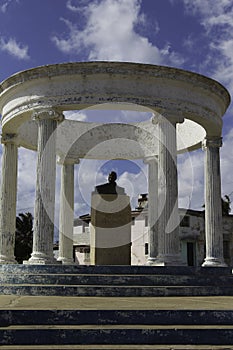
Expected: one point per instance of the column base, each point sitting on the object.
(41, 259)
(214, 262)
(7, 259)
(66, 261)
(168, 260)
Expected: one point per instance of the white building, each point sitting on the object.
(191, 234)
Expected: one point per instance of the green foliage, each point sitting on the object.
(23, 237)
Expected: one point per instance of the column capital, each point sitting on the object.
(213, 142)
(62, 160)
(48, 114)
(163, 115)
(10, 138)
(150, 159)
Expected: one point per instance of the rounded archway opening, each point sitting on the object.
(111, 113)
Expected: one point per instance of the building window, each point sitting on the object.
(185, 221)
(133, 221)
(146, 249)
(146, 221)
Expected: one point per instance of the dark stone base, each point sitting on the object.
(137, 327)
(115, 281)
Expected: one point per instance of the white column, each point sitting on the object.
(8, 199)
(66, 221)
(152, 209)
(213, 205)
(168, 222)
(45, 187)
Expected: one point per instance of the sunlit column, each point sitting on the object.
(47, 121)
(66, 221)
(152, 209)
(8, 199)
(213, 205)
(168, 222)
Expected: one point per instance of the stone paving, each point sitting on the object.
(100, 303)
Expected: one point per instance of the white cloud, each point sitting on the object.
(226, 166)
(14, 48)
(26, 180)
(191, 180)
(4, 5)
(134, 184)
(75, 115)
(216, 18)
(110, 34)
(208, 8)
(76, 5)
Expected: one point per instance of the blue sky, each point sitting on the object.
(196, 35)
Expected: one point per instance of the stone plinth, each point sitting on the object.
(110, 229)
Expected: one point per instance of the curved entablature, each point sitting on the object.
(76, 86)
(77, 139)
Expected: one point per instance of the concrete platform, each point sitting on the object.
(19, 302)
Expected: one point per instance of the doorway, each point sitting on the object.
(189, 253)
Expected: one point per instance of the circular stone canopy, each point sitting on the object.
(199, 101)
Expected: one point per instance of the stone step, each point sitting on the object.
(113, 269)
(84, 328)
(116, 280)
(115, 347)
(117, 335)
(114, 291)
(116, 317)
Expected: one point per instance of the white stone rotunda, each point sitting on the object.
(187, 110)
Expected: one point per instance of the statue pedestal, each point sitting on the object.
(110, 229)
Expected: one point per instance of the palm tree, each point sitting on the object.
(226, 205)
(23, 237)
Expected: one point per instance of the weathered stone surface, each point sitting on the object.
(45, 187)
(8, 199)
(114, 281)
(115, 317)
(116, 270)
(110, 229)
(152, 209)
(168, 222)
(66, 213)
(213, 205)
(65, 87)
(120, 336)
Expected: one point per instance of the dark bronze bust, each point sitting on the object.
(111, 186)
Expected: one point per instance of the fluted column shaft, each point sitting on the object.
(45, 187)
(168, 223)
(213, 205)
(152, 209)
(8, 199)
(66, 221)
